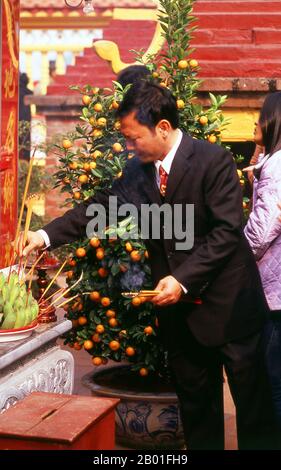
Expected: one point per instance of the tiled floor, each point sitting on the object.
(83, 366)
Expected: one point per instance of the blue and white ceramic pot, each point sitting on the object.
(147, 416)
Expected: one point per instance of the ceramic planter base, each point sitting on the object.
(147, 419)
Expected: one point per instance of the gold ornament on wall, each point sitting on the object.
(10, 133)
(8, 193)
(10, 34)
(109, 50)
(8, 249)
(10, 82)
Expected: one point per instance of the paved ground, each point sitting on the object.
(83, 366)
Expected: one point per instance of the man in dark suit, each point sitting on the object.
(224, 327)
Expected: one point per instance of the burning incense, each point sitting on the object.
(52, 295)
(60, 290)
(14, 255)
(25, 193)
(30, 272)
(29, 203)
(67, 301)
(25, 263)
(67, 290)
(53, 280)
(141, 293)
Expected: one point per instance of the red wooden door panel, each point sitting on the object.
(9, 27)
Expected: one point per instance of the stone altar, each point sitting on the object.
(36, 363)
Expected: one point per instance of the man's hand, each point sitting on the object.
(34, 241)
(170, 292)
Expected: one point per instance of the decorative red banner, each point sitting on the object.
(9, 56)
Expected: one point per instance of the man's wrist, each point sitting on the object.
(184, 289)
(45, 237)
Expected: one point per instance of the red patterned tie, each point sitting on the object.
(163, 180)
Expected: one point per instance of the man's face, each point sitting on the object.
(148, 144)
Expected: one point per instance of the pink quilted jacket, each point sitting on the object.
(263, 229)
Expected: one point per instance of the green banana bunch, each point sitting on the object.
(17, 306)
(13, 279)
(9, 322)
(2, 280)
(1, 303)
(14, 293)
(34, 310)
(20, 319)
(9, 317)
(5, 292)
(28, 316)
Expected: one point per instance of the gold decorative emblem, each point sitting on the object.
(10, 139)
(8, 193)
(109, 50)
(10, 34)
(7, 250)
(10, 82)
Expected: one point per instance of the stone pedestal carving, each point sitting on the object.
(36, 364)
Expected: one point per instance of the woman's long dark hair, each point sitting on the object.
(270, 122)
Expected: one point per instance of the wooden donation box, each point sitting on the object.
(47, 421)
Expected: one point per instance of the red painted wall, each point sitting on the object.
(235, 38)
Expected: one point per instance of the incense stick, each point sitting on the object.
(141, 293)
(53, 280)
(52, 295)
(32, 269)
(25, 263)
(148, 292)
(27, 223)
(30, 203)
(14, 255)
(25, 192)
(67, 290)
(67, 301)
(62, 289)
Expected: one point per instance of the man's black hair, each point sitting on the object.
(134, 74)
(151, 103)
(24, 80)
(270, 122)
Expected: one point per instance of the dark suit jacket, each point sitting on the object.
(220, 268)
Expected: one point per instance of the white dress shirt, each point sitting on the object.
(168, 160)
(166, 164)
(45, 237)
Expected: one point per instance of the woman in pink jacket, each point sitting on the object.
(263, 231)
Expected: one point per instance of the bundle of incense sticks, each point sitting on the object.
(28, 218)
(30, 201)
(141, 293)
(65, 291)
